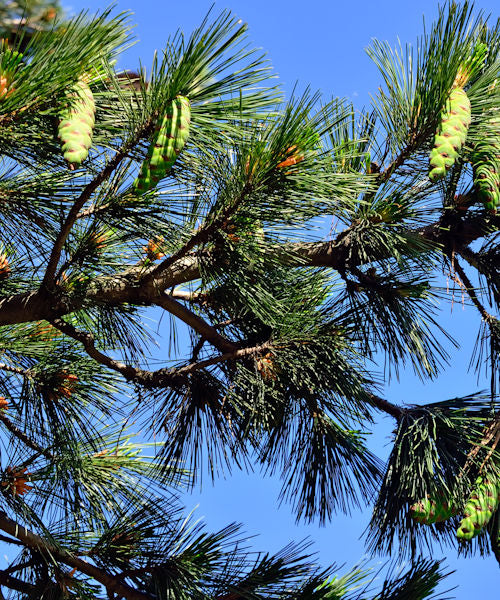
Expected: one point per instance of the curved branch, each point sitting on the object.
(161, 377)
(16, 584)
(471, 292)
(387, 407)
(75, 209)
(11, 369)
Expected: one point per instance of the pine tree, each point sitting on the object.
(194, 190)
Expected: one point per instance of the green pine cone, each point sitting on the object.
(429, 511)
(167, 143)
(451, 134)
(77, 123)
(486, 165)
(479, 509)
(487, 182)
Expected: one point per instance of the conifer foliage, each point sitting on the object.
(193, 189)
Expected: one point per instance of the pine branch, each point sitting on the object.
(197, 323)
(140, 286)
(80, 203)
(8, 540)
(161, 377)
(187, 296)
(87, 339)
(16, 584)
(471, 291)
(202, 235)
(25, 439)
(387, 407)
(32, 540)
(11, 369)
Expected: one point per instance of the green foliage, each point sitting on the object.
(280, 370)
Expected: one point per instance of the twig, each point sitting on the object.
(11, 369)
(202, 235)
(27, 441)
(75, 209)
(188, 296)
(471, 292)
(490, 432)
(8, 540)
(16, 584)
(87, 339)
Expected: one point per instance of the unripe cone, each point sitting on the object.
(77, 123)
(168, 141)
(479, 509)
(451, 134)
(486, 164)
(430, 511)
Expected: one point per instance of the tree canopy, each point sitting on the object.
(191, 190)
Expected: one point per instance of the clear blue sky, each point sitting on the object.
(320, 43)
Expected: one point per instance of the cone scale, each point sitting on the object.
(429, 510)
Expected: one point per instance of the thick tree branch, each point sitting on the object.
(139, 285)
(16, 584)
(32, 540)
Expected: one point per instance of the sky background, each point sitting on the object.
(321, 44)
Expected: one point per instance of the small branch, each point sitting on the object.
(34, 541)
(197, 323)
(11, 369)
(27, 441)
(93, 210)
(471, 292)
(8, 540)
(75, 209)
(87, 339)
(387, 407)
(473, 260)
(414, 143)
(188, 296)
(14, 568)
(241, 353)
